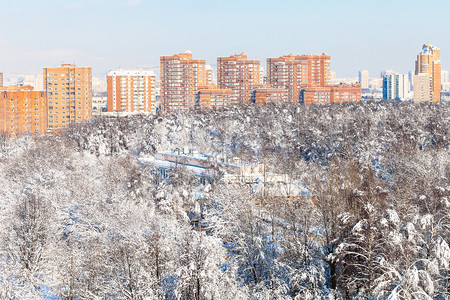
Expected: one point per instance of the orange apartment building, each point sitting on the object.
(68, 94)
(210, 97)
(429, 62)
(295, 72)
(331, 94)
(240, 75)
(264, 93)
(22, 111)
(131, 91)
(181, 75)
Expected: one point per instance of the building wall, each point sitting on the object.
(238, 74)
(345, 93)
(444, 77)
(212, 97)
(364, 79)
(264, 94)
(331, 94)
(22, 111)
(180, 78)
(69, 95)
(422, 88)
(395, 86)
(131, 91)
(429, 62)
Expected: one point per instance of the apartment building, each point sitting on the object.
(211, 97)
(22, 111)
(131, 91)
(68, 94)
(340, 93)
(295, 72)
(264, 94)
(364, 79)
(395, 87)
(240, 75)
(181, 75)
(422, 88)
(429, 62)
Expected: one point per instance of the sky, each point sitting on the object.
(110, 34)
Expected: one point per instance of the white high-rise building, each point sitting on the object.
(396, 87)
(364, 79)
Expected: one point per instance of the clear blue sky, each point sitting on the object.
(107, 34)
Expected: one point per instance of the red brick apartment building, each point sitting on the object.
(181, 75)
(264, 94)
(307, 80)
(22, 111)
(295, 72)
(240, 75)
(331, 94)
(213, 97)
(131, 91)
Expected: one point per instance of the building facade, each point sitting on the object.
(68, 95)
(340, 93)
(364, 79)
(422, 88)
(22, 111)
(295, 72)
(444, 76)
(211, 97)
(395, 87)
(240, 75)
(429, 62)
(181, 75)
(132, 91)
(264, 94)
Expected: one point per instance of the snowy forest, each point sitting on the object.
(81, 217)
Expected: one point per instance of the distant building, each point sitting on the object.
(411, 80)
(376, 83)
(445, 80)
(429, 62)
(395, 87)
(22, 111)
(445, 76)
(69, 94)
(131, 91)
(239, 75)
(364, 79)
(1, 79)
(99, 87)
(181, 75)
(99, 105)
(387, 72)
(294, 72)
(422, 88)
